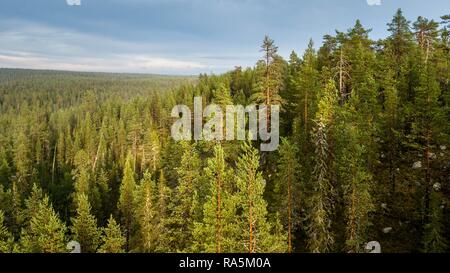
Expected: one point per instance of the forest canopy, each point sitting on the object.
(364, 153)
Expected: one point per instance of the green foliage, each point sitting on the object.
(434, 239)
(252, 208)
(188, 196)
(288, 190)
(112, 239)
(147, 211)
(6, 239)
(45, 233)
(269, 74)
(365, 140)
(127, 197)
(84, 226)
(320, 236)
(357, 188)
(217, 232)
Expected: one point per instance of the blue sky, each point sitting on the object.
(179, 36)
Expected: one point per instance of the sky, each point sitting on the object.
(180, 37)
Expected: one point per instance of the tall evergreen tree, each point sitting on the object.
(321, 237)
(288, 189)
(308, 83)
(270, 73)
(46, 232)
(217, 232)
(84, 226)
(357, 190)
(187, 202)
(112, 239)
(434, 238)
(163, 202)
(255, 228)
(147, 214)
(126, 199)
(6, 238)
(400, 38)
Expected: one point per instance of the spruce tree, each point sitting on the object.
(84, 226)
(323, 198)
(84, 180)
(163, 202)
(46, 232)
(321, 238)
(22, 161)
(147, 215)
(187, 204)
(113, 240)
(151, 150)
(6, 238)
(434, 240)
(126, 199)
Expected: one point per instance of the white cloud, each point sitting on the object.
(124, 63)
(36, 46)
(374, 2)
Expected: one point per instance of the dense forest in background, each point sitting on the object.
(365, 154)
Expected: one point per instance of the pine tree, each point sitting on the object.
(426, 33)
(270, 78)
(308, 84)
(255, 228)
(215, 233)
(288, 189)
(400, 38)
(112, 239)
(126, 199)
(84, 226)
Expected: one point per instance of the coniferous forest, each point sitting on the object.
(364, 153)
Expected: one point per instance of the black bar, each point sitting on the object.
(223, 262)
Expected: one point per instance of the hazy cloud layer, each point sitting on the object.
(177, 36)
